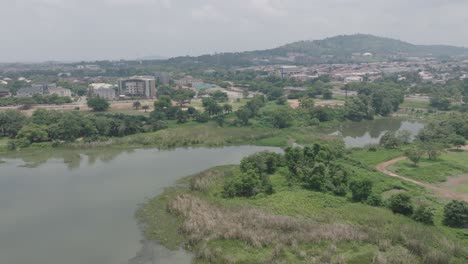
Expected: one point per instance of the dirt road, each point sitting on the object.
(382, 167)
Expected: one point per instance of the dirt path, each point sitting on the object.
(382, 167)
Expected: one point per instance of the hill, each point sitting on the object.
(339, 49)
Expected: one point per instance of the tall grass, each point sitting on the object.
(203, 221)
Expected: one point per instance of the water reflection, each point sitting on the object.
(360, 134)
(78, 206)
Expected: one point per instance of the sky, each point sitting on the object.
(76, 30)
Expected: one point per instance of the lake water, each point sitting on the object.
(360, 134)
(76, 207)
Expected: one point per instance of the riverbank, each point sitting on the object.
(196, 135)
(295, 225)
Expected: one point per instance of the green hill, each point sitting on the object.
(339, 49)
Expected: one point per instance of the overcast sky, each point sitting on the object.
(38, 30)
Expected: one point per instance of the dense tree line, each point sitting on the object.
(373, 99)
(55, 126)
(36, 99)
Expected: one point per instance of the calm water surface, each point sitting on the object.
(75, 207)
(360, 134)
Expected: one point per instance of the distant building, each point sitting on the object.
(163, 78)
(4, 92)
(39, 89)
(102, 90)
(139, 86)
(285, 71)
(351, 79)
(189, 80)
(60, 91)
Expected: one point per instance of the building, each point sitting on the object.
(188, 80)
(138, 86)
(286, 71)
(162, 78)
(60, 91)
(4, 92)
(351, 79)
(102, 90)
(39, 89)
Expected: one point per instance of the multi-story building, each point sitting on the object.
(138, 86)
(102, 90)
(39, 89)
(60, 91)
(164, 78)
(285, 71)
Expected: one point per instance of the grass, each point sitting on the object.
(372, 158)
(416, 104)
(449, 164)
(295, 225)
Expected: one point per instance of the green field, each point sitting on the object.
(271, 225)
(449, 164)
(416, 104)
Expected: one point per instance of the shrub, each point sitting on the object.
(401, 204)
(424, 215)
(374, 200)
(245, 184)
(456, 214)
(360, 190)
(414, 155)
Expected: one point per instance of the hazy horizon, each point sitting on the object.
(88, 30)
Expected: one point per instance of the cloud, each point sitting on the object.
(208, 13)
(114, 29)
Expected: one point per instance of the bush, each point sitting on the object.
(456, 214)
(262, 162)
(401, 204)
(361, 190)
(246, 184)
(98, 104)
(374, 200)
(424, 215)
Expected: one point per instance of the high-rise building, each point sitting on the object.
(139, 86)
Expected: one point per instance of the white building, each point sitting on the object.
(288, 70)
(351, 79)
(60, 91)
(102, 90)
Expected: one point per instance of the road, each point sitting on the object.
(382, 167)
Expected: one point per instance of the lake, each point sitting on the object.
(78, 207)
(360, 134)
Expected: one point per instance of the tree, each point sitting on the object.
(360, 189)
(11, 122)
(424, 215)
(246, 184)
(33, 133)
(136, 105)
(219, 96)
(164, 101)
(414, 154)
(281, 117)
(227, 108)
(456, 214)
(401, 204)
(327, 95)
(98, 104)
(307, 103)
(146, 107)
(390, 140)
(243, 116)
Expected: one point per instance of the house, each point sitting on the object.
(351, 79)
(60, 91)
(189, 80)
(30, 91)
(287, 70)
(39, 89)
(4, 92)
(102, 90)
